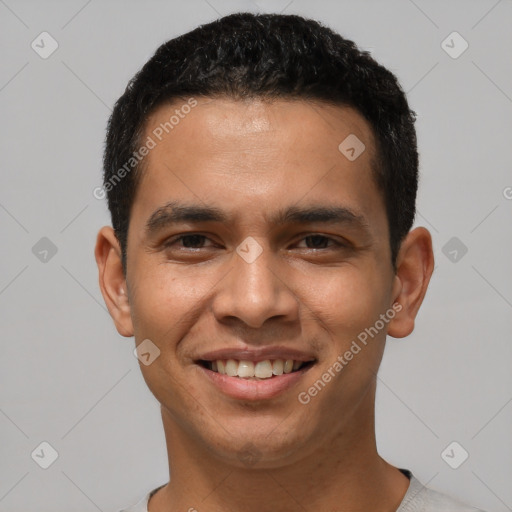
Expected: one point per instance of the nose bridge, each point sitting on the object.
(253, 290)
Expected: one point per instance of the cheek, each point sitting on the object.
(347, 305)
(168, 299)
(347, 300)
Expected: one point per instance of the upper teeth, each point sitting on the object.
(261, 369)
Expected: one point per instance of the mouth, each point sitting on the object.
(255, 377)
(255, 370)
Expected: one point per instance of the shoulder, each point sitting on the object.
(142, 505)
(422, 499)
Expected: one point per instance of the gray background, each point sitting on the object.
(68, 378)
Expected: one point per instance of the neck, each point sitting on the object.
(344, 472)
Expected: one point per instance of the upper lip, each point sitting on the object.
(257, 354)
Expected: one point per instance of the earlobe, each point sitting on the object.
(112, 280)
(415, 264)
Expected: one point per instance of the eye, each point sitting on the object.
(197, 241)
(320, 242)
(190, 241)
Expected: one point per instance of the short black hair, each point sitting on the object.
(270, 56)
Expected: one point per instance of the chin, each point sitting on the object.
(268, 446)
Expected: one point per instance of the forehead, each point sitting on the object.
(215, 124)
(258, 157)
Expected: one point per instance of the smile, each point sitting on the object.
(255, 370)
(254, 380)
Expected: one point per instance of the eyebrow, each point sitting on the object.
(175, 212)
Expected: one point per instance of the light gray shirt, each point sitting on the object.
(418, 498)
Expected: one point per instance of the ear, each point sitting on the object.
(112, 280)
(415, 264)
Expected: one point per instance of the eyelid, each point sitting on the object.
(176, 238)
(337, 241)
(302, 236)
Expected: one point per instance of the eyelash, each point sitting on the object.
(170, 242)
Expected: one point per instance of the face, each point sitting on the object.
(254, 238)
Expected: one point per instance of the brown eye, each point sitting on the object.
(320, 242)
(191, 241)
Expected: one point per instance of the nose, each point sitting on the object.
(254, 292)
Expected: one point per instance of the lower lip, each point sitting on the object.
(245, 389)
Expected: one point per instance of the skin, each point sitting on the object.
(252, 158)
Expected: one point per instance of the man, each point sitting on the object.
(261, 174)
